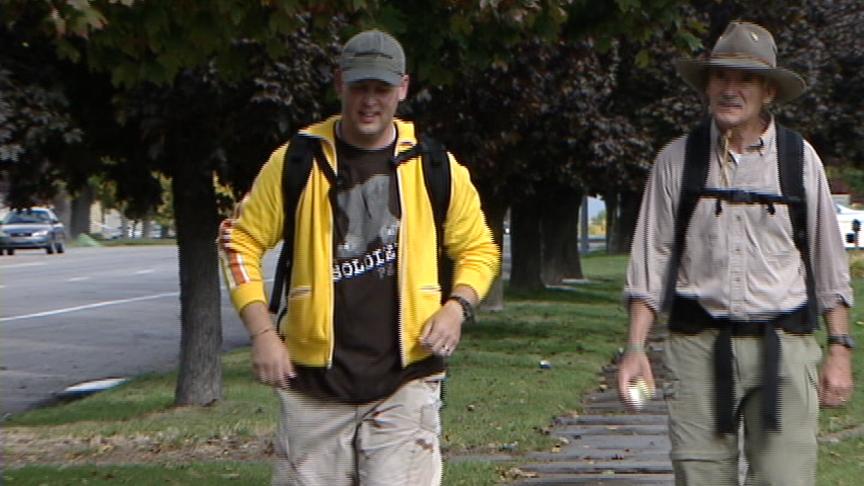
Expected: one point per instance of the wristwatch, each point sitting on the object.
(467, 309)
(844, 340)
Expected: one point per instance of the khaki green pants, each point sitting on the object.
(700, 456)
(389, 442)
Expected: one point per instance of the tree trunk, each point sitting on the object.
(199, 380)
(628, 214)
(525, 245)
(612, 220)
(146, 226)
(560, 237)
(584, 224)
(124, 226)
(62, 209)
(495, 212)
(80, 218)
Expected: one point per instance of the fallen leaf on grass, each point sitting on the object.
(104, 449)
(516, 473)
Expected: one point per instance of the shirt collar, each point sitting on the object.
(766, 144)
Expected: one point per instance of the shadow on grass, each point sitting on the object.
(551, 321)
(215, 473)
(121, 403)
(599, 290)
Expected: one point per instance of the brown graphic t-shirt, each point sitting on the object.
(367, 356)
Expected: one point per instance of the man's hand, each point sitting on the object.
(633, 365)
(270, 360)
(442, 331)
(835, 384)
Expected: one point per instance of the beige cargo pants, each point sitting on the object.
(389, 442)
(701, 457)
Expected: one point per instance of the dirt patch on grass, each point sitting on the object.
(22, 447)
(842, 435)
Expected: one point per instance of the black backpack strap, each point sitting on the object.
(436, 173)
(790, 164)
(295, 174)
(696, 163)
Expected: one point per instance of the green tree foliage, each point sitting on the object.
(653, 105)
(822, 40)
(189, 102)
(535, 122)
(203, 87)
(56, 115)
(34, 121)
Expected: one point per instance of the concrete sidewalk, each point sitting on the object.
(607, 445)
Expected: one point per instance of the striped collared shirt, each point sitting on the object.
(741, 263)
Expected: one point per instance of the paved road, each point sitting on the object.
(90, 313)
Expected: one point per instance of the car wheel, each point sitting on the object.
(10, 251)
(58, 247)
(49, 249)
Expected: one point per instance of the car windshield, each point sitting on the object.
(18, 217)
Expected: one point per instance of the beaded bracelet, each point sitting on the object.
(634, 348)
(262, 331)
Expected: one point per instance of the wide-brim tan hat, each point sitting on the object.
(745, 46)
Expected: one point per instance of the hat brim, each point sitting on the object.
(365, 73)
(695, 73)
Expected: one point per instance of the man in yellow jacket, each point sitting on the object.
(357, 359)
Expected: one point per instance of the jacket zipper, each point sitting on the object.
(400, 264)
(331, 304)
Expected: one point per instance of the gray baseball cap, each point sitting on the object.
(372, 54)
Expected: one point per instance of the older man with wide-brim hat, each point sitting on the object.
(737, 241)
(744, 46)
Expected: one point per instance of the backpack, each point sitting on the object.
(790, 163)
(297, 165)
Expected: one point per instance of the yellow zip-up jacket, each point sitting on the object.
(308, 324)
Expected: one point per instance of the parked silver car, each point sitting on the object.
(32, 228)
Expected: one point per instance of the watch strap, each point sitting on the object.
(467, 308)
(844, 340)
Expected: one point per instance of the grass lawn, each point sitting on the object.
(210, 474)
(137, 241)
(498, 401)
